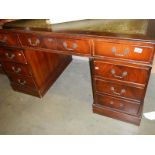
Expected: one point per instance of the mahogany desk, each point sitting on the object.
(33, 53)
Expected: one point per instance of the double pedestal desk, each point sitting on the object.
(33, 53)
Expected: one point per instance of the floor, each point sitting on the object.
(65, 109)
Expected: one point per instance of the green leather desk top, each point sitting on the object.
(136, 28)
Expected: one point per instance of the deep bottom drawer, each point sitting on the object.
(26, 90)
(118, 104)
(1, 70)
(22, 81)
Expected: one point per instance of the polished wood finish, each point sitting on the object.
(125, 84)
(48, 64)
(51, 66)
(121, 54)
(39, 91)
(30, 71)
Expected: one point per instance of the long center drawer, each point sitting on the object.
(73, 46)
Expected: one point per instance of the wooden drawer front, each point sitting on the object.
(124, 51)
(22, 81)
(12, 55)
(118, 104)
(49, 42)
(120, 72)
(119, 90)
(74, 46)
(9, 39)
(16, 69)
(37, 41)
(30, 40)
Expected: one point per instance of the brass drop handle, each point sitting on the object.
(10, 56)
(74, 46)
(114, 51)
(121, 92)
(4, 39)
(97, 68)
(111, 102)
(113, 72)
(21, 82)
(50, 39)
(18, 70)
(121, 105)
(35, 43)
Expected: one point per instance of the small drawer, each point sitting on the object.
(12, 55)
(9, 39)
(74, 46)
(118, 71)
(125, 50)
(120, 90)
(15, 68)
(118, 104)
(22, 81)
